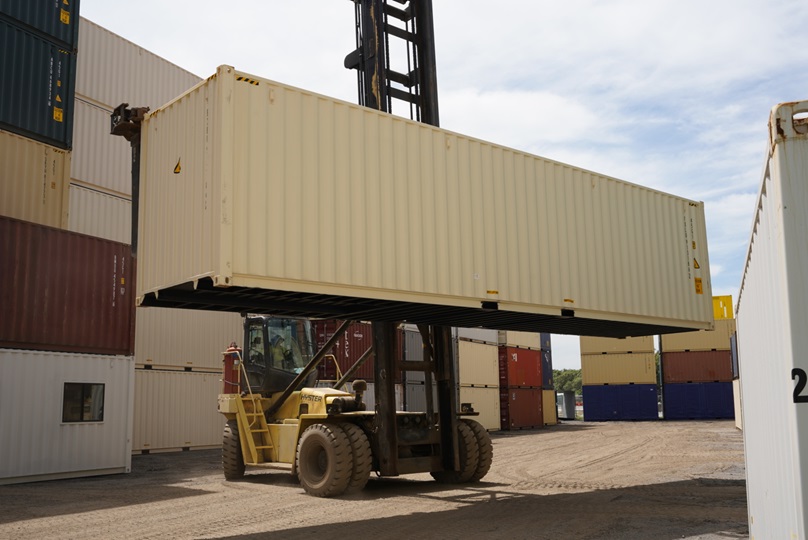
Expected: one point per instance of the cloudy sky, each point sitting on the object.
(670, 94)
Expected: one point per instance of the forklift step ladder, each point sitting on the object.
(253, 428)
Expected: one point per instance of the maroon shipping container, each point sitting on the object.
(697, 366)
(520, 408)
(63, 291)
(519, 367)
(356, 340)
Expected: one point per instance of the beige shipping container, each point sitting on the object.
(402, 216)
(99, 158)
(549, 407)
(523, 340)
(479, 364)
(738, 403)
(176, 410)
(596, 345)
(185, 339)
(705, 340)
(99, 214)
(33, 180)
(638, 368)
(111, 70)
(485, 402)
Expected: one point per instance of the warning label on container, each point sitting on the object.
(58, 114)
(699, 289)
(696, 264)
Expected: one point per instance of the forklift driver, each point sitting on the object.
(278, 352)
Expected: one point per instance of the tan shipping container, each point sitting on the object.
(370, 210)
(738, 403)
(33, 180)
(549, 407)
(523, 340)
(596, 345)
(485, 402)
(112, 70)
(176, 410)
(99, 214)
(479, 364)
(638, 368)
(185, 339)
(704, 340)
(99, 158)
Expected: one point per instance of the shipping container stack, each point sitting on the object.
(697, 370)
(549, 403)
(66, 325)
(520, 380)
(478, 374)
(619, 378)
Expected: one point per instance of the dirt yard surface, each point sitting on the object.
(579, 480)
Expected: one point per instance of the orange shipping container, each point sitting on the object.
(697, 366)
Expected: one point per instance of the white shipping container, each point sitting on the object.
(485, 402)
(478, 364)
(99, 158)
(111, 70)
(371, 206)
(415, 396)
(596, 345)
(176, 410)
(33, 180)
(183, 338)
(99, 214)
(737, 403)
(37, 444)
(479, 334)
(772, 312)
(369, 397)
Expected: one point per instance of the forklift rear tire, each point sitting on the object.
(324, 460)
(232, 458)
(469, 458)
(486, 450)
(362, 457)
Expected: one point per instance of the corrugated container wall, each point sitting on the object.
(549, 407)
(64, 291)
(357, 339)
(772, 339)
(596, 345)
(696, 366)
(519, 368)
(175, 410)
(485, 402)
(370, 397)
(185, 339)
(737, 403)
(33, 180)
(131, 74)
(525, 340)
(38, 444)
(698, 401)
(53, 19)
(479, 364)
(99, 158)
(479, 334)
(521, 408)
(379, 185)
(547, 369)
(620, 402)
(98, 214)
(704, 340)
(36, 89)
(637, 368)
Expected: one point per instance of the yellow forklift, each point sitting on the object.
(276, 415)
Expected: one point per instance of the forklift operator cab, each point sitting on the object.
(279, 350)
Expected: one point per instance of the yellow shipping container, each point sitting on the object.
(596, 345)
(549, 407)
(478, 364)
(639, 368)
(33, 181)
(702, 340)
(722, 307)
(396, 216)
(486, 402)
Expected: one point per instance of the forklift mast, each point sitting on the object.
(395, 62)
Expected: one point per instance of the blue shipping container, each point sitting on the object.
(55, 20)
(698, 401)
(547, 369)
(37, 86)
(620, 402)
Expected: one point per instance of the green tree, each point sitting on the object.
(567, 380)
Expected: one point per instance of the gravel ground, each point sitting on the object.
(578, 480)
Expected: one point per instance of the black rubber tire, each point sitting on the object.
(362, 457)
(232, 459)
(484, 447)
(324, 460)
(469, 458)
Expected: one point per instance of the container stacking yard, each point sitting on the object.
(395, 220)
